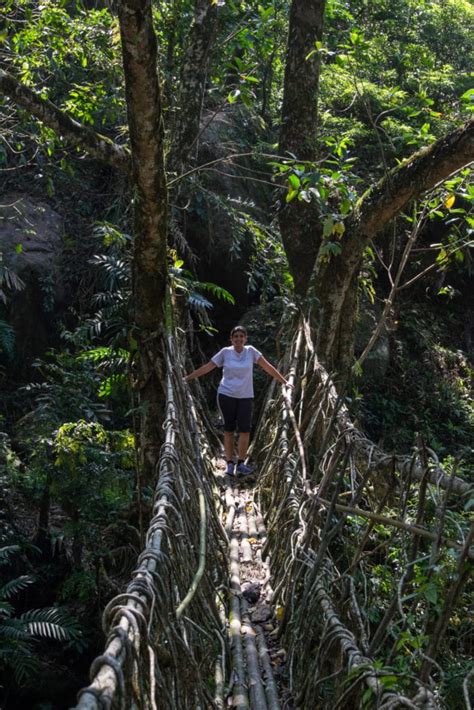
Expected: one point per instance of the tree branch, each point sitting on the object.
(400, 524)
(417, 174)
(97, 145)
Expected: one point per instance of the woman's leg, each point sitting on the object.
(229, 445)
(244, 421)
(228, 409)
(243, 445)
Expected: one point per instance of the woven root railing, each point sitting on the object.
(166, 631)
(368, 564)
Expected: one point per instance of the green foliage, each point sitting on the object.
(394, 75)
(183, 283)
(420, 586)
(91, 473)
(268, 273)
(73, 55)
(10, 283)
(81, 584)
(53, 399)
(250, 65)
(18, 633)
(7, 339)
(433, 398)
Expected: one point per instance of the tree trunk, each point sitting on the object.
(335, 279)
(149, 258)
(187, 114)
(332, 280)
(300, 226)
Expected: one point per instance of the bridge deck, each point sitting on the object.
(256, 657)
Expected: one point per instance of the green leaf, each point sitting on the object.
(15, 585)
(216, 290)
(328, 226)
(339, 229)
(468, 95)
(294, 181)
(430, 593)
(233, 96)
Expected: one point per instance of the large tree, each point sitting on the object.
(149, 270)
(144, 163)
(331, 280)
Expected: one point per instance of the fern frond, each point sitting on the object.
(216, 290)
(51, 623)
(7, 552)
(110, 235)
(15, 585)
(24, 664)
(6, 609)
(112, 384)
(10, 280)
(116, 271)
(198, 302)
(104, 354)
(13, 630)
(7, 338)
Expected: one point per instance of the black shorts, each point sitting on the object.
(236, 412)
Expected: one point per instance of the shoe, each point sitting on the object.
(230, 468)
(243, 470)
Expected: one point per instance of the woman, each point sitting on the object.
(235, 393)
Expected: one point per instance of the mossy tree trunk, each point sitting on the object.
(188, 106)
(149, 270)
(300, 223)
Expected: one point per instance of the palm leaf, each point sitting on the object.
(24, 664)
(13, 630)
(51, 623)
(15, 585)
(7, 338)
(6, 609)
(7, 552)
(216, 290)
(198, 301)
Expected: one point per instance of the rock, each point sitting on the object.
(261, 614)
(31, 247)
(251, 592)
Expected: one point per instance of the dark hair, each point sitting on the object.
(238, 329)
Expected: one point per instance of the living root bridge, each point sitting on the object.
(367, 569)
(359, 542)
(165, 631)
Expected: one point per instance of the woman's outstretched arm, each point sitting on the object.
(276, 374)
(203, 370)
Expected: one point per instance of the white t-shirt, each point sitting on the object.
(237, 374)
